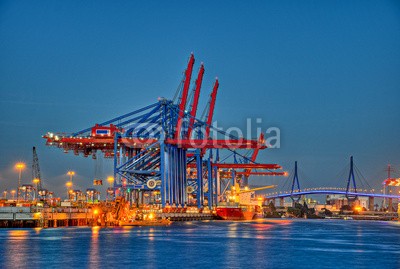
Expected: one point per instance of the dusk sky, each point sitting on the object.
(327, 73)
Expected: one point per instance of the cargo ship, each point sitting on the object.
(241, 205)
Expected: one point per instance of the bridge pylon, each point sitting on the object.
(295, 182)
(350, 180)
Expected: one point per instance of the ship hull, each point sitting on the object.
(234, 213)
(248, 215)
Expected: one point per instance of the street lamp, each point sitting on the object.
(70, 174)
(36, 181)
(19, 166)
(69, 185)
(70, 194)
(13, 194)
(110, 180)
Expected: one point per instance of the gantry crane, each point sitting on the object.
(36, 170)
(162, 148)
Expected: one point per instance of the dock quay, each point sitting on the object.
(99, 215)
(186, 216)
(30, 217)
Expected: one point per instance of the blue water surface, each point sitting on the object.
(208, 244)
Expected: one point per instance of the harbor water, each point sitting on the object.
(208, 244)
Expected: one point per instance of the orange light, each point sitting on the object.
(68, 184)
(95, 211)
(71, 173)
(110, 179)
(358, 208)
(20, 166)
(36, 180)
(37, 215)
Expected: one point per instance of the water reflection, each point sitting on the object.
(95, 232)
(151, 234)
(18, 248)
(18, 234)
(150, 250)
(232, 230)
(215, 244)
(262, 226)
(94, 253)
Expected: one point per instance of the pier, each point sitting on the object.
(29, 217)
(101, 215)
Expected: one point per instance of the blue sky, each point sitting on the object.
(327, 73)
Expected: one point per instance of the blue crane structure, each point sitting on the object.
(161, 150)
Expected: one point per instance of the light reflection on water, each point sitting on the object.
(94, 254)
(216, 244)
(17, 241)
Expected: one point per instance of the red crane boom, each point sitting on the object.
(211, 112)
(255, 153)
(182, 105)
(199, 80)
(212, 106)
